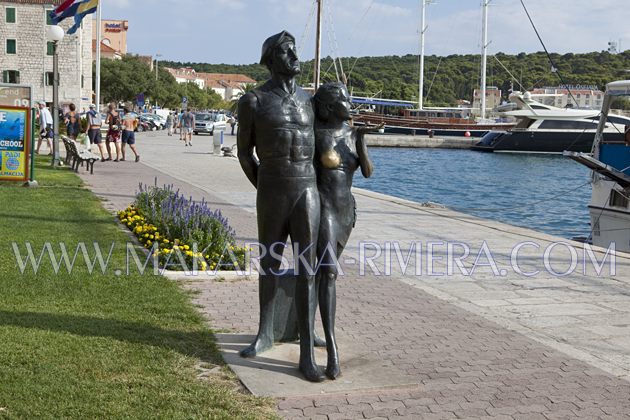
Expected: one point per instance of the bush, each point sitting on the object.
(167, 222)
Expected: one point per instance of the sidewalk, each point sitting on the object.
(454, 346)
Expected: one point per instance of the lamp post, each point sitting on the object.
(157, 56)
(55, 34)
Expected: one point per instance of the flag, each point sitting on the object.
(84, 8)
(64, 10)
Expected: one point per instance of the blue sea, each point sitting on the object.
(546, 193)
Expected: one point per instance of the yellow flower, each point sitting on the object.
(166, 241)
(189, 253)
(186, 247)
(151, 236)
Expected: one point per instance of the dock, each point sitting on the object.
(396, 140)
(421, 332)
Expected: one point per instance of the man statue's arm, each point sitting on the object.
(246, 137)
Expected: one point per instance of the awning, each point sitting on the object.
(600, 167)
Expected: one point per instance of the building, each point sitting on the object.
(113, 34)
(228, 86)
(589, 97)
(186, 75)
(493, 98)
(106, 51)
(26, 56)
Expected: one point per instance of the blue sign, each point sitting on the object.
(140, 99)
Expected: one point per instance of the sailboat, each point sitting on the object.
(434, 121)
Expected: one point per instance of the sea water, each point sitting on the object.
(547, 193)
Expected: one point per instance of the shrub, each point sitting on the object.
(182, 226)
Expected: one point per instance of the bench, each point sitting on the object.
(75, 157)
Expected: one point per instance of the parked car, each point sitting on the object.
(157, 120)
(207, 122)
(149, 123)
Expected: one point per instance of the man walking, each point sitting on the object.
(94, 130)
(45, 127)
(188, 125)
(276, 122)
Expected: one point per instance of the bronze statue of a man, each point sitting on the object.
(276, 120)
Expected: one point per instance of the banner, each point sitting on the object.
(15, 124)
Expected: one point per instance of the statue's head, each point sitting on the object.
(332, 102)
(279, 56)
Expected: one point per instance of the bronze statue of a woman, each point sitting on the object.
(339, 151)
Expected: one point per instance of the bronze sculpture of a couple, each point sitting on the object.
(300, 154)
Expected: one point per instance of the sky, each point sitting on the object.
(232, 31)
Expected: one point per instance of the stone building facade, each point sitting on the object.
(26, 55)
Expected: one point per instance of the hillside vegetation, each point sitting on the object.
(450, 78)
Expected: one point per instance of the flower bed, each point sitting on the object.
(182, 233)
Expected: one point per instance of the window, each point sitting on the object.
(11, 46)
(10, 76)
(50, 48)
(568, 125)
(48, 18)
(10, 14)
(49, 78)
(618, 200)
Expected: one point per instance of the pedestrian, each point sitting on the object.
(94, 123)
(73, 123)
(169, 123)
(45, 127)
(128, 134)
(113, 132)
(232, 122)
(182, 135)
(188, 125)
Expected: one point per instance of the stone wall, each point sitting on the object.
(31, 60)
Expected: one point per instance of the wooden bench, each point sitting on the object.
(76, 158)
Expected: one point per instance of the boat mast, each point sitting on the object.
(318, 43)
(422, 30)
(484, 54)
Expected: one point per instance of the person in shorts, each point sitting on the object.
(128, 134)
(188, 125)
(94, 130)
(113, 132)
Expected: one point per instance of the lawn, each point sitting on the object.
(100, 345)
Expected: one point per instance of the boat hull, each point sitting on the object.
(539, 141)
(612, 226)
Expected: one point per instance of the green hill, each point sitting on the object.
(453, 77)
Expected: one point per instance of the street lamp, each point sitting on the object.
(55, 34)
(156, 65)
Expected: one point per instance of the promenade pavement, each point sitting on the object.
(491, 344)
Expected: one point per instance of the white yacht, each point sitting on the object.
(542, 128)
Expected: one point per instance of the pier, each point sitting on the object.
(400, 140)
(431, 335)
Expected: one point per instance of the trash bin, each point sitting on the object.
(217, 141)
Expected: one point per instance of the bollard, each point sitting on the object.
(217, 141)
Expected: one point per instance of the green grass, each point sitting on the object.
(98, 345)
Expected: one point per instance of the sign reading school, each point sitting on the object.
(15, 126)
